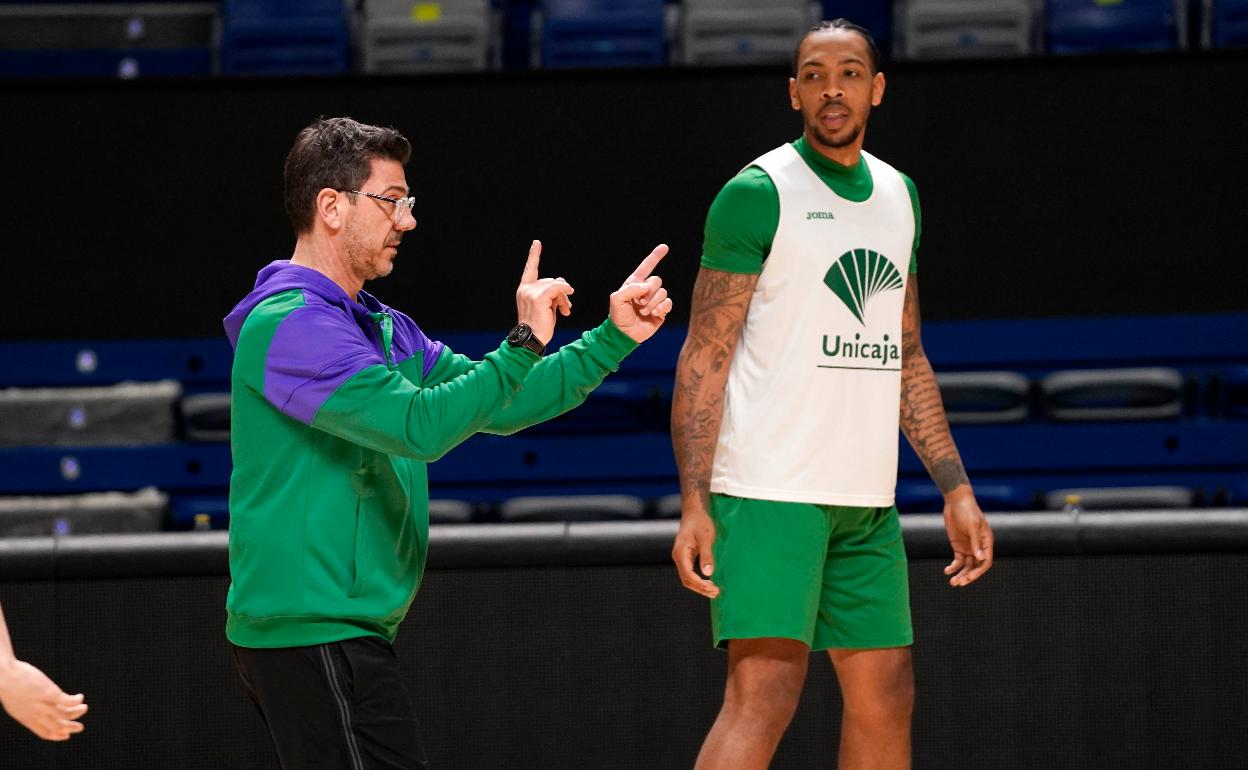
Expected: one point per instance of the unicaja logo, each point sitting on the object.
(859, 275)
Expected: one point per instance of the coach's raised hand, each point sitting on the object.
(537, 299)
(641, 304)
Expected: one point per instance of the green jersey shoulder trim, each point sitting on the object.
(918, 222)
(742, 223)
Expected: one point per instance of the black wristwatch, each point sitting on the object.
(522, 337)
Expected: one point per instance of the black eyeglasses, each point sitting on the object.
(401, 205)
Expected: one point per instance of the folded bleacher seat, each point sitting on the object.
(1087, 26)
(741, 31)
(284, 37)
(125, 414)
(932, 29)
(603, 33)
(983, 397)
(95, 513)
(667, 507)
(924, 497)
(1113, 394)
(206, 416)
(1226, 24)
(1121, 498)
(125, 40)
(450, 512)
(572, 508)
(405, 36)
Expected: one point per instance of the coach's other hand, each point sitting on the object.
(537, 299)
(641, 304)
(37, 704)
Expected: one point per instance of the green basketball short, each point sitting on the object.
(826, 575)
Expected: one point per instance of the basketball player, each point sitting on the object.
(803, 357)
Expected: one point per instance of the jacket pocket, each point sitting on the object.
(359, 560)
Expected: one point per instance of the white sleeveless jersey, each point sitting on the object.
(811, 409)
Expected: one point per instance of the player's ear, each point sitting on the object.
(793, 102)
(877, 89)
(329, 203)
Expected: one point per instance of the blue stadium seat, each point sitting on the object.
(1144, 393)
(1088, 26)
(111, 40)
(602, 33)
(1228, 23)
(572, 508)
(984, 397)
(284, 37)
(872, 14)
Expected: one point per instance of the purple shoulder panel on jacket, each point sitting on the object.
(314, 351)
(408, 338)
(413, 339)
(318, 347)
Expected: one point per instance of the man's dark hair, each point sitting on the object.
(334, 153)
(824, 26)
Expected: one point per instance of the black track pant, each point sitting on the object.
(339, 705)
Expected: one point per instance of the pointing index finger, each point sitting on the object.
(648, 264)
(530, 267)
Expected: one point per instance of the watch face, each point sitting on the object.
(520, 334)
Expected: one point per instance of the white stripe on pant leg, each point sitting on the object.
(344, 707)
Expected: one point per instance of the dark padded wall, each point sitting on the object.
(1071, 662)
(1050, 186)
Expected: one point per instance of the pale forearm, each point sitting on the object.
(924, 423)
(6, 645)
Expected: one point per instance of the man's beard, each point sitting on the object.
(827, 140)
(358, 257)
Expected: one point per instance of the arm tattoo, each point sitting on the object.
(922, 413)
(720, 303)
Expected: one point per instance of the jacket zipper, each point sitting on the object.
(386, 325)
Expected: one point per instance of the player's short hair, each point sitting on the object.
(334, 153)
(826, 25)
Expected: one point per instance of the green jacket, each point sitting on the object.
(336, 407)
